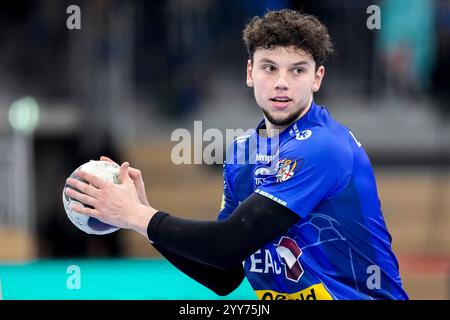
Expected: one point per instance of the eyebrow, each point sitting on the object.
(299, 63)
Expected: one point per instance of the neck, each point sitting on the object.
(273, 130)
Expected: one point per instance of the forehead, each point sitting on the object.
(283, 55)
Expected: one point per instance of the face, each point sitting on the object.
(284, 80)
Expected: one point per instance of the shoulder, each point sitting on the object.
(320, 142)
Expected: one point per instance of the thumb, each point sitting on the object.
(123, 172)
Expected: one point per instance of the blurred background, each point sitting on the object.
(137, 70)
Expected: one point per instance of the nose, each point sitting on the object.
(282, 83)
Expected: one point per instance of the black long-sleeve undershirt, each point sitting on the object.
(212, 252)
(222, 282)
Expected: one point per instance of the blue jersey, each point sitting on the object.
(340, 248)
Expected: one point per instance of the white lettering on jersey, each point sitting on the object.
(254, 261)
(264, 158)
(305, 134)
(264, 263)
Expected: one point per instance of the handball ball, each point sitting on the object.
(107, 171)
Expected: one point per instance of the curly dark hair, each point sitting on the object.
(289, 28)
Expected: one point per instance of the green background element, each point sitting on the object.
(106, 279)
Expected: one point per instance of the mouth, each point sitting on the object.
(280, 102)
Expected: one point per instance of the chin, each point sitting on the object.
(280, 120)
(282, 123)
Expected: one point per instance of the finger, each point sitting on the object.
(82, 186)
(81, 197)
(104, 158)
(134, 173)
(93, 180)
(83, 210)
(123, 171)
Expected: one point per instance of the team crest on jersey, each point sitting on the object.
(285, 169)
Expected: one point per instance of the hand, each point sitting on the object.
(136, 176)
(115, 204)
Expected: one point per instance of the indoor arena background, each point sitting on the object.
(135, 71)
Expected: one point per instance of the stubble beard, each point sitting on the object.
(284, 121)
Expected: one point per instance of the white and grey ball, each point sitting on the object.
(107, 171)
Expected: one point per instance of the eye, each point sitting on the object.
(298, 70)
(269, 68)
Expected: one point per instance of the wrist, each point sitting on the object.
(143, 217)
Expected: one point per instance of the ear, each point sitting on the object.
(249, 73)
(320, 73)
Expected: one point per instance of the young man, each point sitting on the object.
(304, 217)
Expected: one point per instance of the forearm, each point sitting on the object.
(222, 282)
(223, 244)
